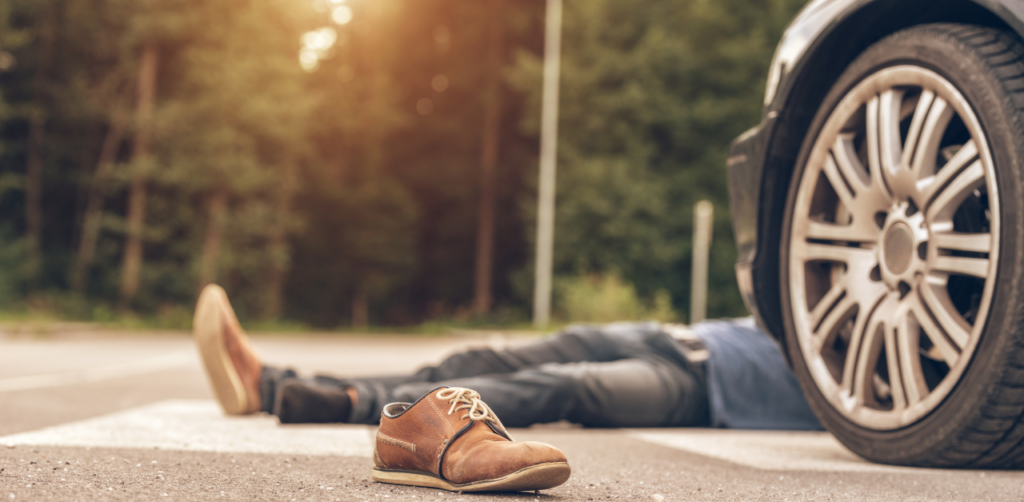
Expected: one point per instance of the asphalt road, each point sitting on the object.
(90, 415)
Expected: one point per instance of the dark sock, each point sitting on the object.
(299, 402)
(270, 379)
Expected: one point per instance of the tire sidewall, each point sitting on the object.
(922, 442)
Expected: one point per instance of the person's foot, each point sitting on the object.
(231, 364)
(450, 439)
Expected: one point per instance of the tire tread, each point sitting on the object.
(996, 435)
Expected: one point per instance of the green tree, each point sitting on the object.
(232, 130)
(11, 250)
(652, 93)
(183, 143)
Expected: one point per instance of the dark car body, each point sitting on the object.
(817, 46)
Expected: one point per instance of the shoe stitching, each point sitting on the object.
(396, 442)
(444, 418)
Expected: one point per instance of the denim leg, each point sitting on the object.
(648, 392)
(271, 379)
(576, 344)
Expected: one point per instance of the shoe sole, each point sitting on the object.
(534, 477)
(213, 313)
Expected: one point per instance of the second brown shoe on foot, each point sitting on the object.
(450, 439)
(231, 364)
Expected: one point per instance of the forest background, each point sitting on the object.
(360, 163)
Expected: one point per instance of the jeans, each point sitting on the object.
(617, 375)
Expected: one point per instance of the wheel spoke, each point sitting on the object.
(929, 182)
(869, 300)
(889, 143)
(862, 356)
(848, 164)
(858, 231)
(977, 267)
(949, 352)
(839, 184)
(942, 201)
(899, 400)
(827, 252)
(936, 299)
(826, 332)
(955, 241)
(908, 347)
(826, 302)
(914, 133)
(879, 148)
(927, 148)
(948, 199)
(854, 186)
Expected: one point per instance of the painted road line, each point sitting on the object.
(200, 425)
(142, 366)
(769, 450)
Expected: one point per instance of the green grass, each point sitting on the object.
(49, 316)
(47, 312)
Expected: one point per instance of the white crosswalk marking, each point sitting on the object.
(770, 450)
(199, 425)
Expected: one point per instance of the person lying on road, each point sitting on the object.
(724, 373)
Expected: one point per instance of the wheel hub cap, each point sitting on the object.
(899, 248)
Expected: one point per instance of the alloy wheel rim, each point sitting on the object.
(894, 247)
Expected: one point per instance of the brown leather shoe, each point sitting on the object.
(231, 364)
(450, 439)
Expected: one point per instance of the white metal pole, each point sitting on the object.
(703, 216)
(548, 155)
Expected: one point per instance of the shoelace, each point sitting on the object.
(462, 398)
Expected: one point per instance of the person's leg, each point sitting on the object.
(639, 392)
(577, 344)
(296, 400)
(243, 384)
(271, 381)
(580, 343)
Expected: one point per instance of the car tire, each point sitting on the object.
(902, 251)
